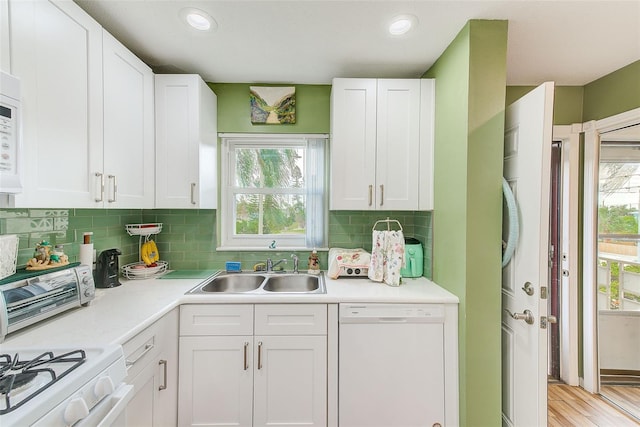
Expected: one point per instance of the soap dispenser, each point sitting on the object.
(314, 263)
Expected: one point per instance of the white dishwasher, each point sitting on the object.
(391, 365)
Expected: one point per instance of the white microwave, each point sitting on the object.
(10, 134)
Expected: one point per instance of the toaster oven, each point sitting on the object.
(29, 300)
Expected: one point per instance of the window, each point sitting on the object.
(273, 191)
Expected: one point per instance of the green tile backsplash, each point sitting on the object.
(188, 237)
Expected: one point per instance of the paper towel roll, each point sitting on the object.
(86, 254)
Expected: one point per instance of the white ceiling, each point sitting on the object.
(304, 41)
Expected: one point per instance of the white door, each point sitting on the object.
(527, 159)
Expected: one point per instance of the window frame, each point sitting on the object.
(226, 215)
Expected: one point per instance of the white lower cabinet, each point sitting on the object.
(246, 365)
(152, 369)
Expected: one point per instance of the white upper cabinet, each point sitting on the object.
(56, 51)
(378, 145)
(186, 142)
(87, 111)
(129, 160)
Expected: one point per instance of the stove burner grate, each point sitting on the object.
(15, 374)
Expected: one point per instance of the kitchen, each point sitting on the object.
(480, 365)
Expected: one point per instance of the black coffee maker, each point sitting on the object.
(106, 273)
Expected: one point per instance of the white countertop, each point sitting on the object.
(117, 314)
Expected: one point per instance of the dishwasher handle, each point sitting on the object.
(393, 320)
(391, 313)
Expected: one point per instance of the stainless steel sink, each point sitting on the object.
(293, 283)
(234, 283)
(262, 283)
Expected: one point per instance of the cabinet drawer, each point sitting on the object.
(231, 319)
(291, 319)
(144, 347)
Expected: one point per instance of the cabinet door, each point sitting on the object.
(140, 408)
(129, 160)
(398, 144)
(56, 50)
(290, 381)
(216, 381)
(165, 411)
(353, 144)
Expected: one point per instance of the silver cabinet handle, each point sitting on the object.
(115, 188)
(147, 349)
(370, 195)
(101, 176)
(527, 316)
(163, 386)
(260, 355)
(381, 195)
(193, 193)
(246, 364)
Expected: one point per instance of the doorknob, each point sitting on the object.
(527, 316)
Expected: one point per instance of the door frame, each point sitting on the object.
(569, 138)
(592, 130)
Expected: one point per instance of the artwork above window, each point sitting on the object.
(273, 191)
(273, 104)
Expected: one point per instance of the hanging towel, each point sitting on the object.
(376, 267)
(387, 257)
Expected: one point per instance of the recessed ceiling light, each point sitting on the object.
(401, 24)
(198, 19)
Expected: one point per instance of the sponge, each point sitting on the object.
(232, 266)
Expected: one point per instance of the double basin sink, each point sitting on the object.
(262, 283)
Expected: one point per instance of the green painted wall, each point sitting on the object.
(470, 85)
(613, 94)
(609, 95)
(312, 109)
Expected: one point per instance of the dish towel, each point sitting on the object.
(387, 257)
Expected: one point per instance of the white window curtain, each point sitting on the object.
(316, 194)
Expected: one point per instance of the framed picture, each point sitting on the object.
(273, 104)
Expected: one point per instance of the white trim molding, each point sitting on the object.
(593, 129)
(569, 137)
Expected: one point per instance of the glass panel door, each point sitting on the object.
(618, 269)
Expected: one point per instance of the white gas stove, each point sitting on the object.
(62, 387)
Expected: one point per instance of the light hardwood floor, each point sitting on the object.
(574, 407)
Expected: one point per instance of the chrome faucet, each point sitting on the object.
(295, 263)
(271, 264)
